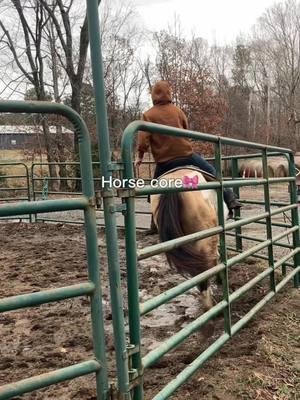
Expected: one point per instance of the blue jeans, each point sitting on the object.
(196, 160)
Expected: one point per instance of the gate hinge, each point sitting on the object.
(117, 208)
(132, 349)
(124, 193)
(135, 375)
(114, 394)
(135, 380)
(107, 193)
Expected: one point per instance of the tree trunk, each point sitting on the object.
(75, 104)
(54, 184)
(60, 142)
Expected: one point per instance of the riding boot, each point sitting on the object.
(153, 229)
(231, 201)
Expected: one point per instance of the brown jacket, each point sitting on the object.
(163, 147)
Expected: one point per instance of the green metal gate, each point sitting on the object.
(92, 288)
(20, 190)
(130, 362)
(130, 374)
(137, 310)
(41, 187)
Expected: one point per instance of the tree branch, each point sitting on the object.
(19, 9)
(14, 53)
(69, 62)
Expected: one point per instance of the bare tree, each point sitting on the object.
(26, 54)
(125, 82)
(71, 54)
(55, 68)
(186, 65)
(278, 32)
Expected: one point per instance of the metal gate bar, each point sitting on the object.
(92, 287)
(121, 349)
(219, 343)
(135, 368)
(225, 265)
(155, 302)
(170, 244)
(35, 178)
(25, 176)
(36, 193)
(25, 188)
(50, 378)
(285, 245)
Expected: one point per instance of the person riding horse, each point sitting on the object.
(171, 152)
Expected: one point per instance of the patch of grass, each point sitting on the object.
(15, 156)
(284, 392)
(261, 386)
(11, 155)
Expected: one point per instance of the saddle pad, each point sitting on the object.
(209, 177)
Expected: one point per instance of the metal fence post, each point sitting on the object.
(108, 201)
(295, 216)
(133, 284)
(236, 190)
(268, 219)
(222, 236)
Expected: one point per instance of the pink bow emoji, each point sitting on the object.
(194, 181)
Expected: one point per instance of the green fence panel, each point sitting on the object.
(41, 181)
(136, 310)
(86, 202)
(20, 189)
(130, 362)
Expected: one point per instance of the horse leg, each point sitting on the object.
(206, 295)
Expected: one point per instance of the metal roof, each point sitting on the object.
(28, 129)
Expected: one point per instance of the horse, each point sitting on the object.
(177, 214)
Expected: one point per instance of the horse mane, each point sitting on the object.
(186, 259)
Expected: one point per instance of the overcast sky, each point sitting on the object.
(219, 21)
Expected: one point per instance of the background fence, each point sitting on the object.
(23, 182)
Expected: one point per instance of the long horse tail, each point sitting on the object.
(186, 259)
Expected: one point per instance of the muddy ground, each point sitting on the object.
(261, 362)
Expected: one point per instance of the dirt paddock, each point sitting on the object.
(261, 362)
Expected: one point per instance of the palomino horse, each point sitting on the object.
(181, 213)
